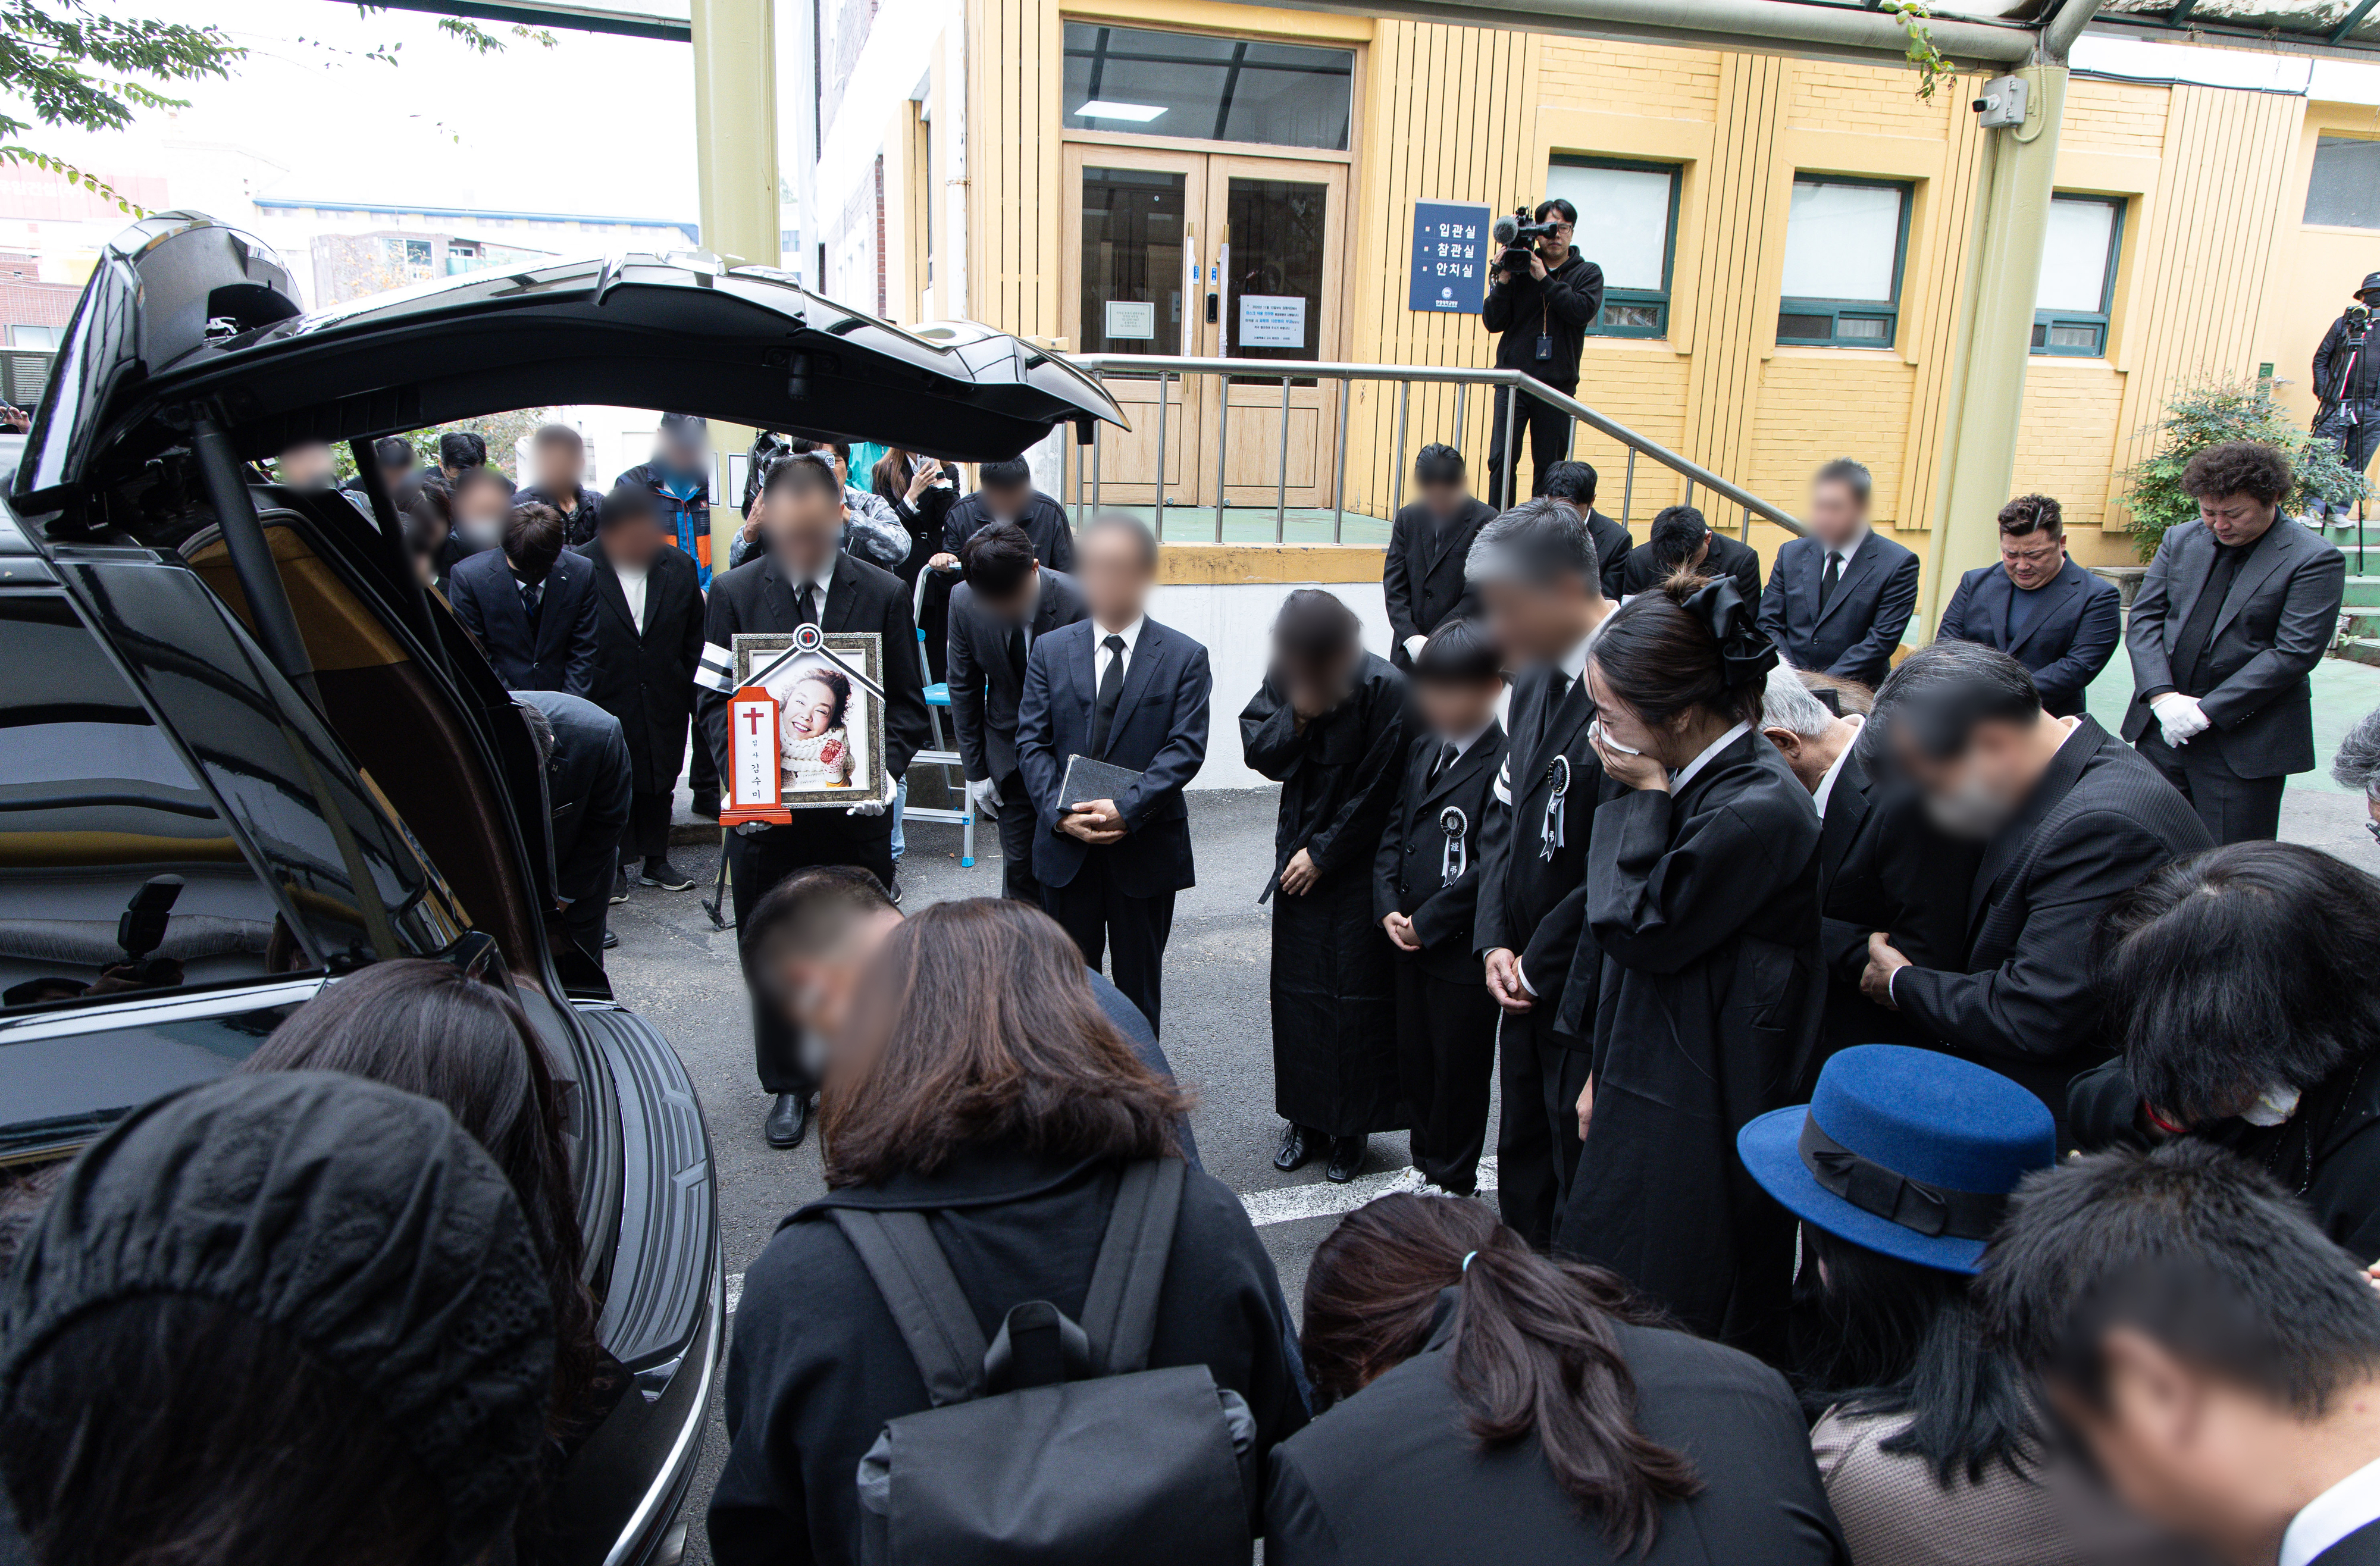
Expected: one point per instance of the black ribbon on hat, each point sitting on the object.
(1868, 1185)
(1744, 652)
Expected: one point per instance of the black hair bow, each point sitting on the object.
(1744, 654)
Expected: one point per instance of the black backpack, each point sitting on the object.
(1053, 1444)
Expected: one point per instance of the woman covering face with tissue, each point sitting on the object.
(2238, 985)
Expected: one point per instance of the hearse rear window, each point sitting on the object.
(117, 873)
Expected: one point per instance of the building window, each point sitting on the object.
(1633, 235)
(2078, 276)
(1845, 241)
(42, 337)
(1208, 89)
(2345, 190)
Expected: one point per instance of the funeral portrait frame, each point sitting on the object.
(755, 650)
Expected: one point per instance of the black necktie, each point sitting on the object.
(1446, 755)
(1016, 651)
(1826, 583)
(1103, 709)
(1557, 691)
(806, 606)
(2189, 646)
(532, 595)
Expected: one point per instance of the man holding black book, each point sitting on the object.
(1124, 698)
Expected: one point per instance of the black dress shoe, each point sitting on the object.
(660, 872)
(1296, 1148)
(892, 892)
(788, 1122)
(707, 806)
(610, 939)
(1346, 1157)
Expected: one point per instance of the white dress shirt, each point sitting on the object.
(1100, 653)
(1685, 774)
(2331, 1516)
(632, 587)
(1846, 554)
(1835, 769)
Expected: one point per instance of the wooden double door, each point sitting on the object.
(1210, 255)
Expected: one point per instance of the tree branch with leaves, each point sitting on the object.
(72, 66)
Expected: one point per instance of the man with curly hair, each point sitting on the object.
(2231, 617)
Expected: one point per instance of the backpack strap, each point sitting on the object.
(1120, 1312)
(915, 1278)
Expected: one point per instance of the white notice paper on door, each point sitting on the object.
(1131, 320)
(1272, 320)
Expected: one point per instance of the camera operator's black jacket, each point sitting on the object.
(2329, 364)
(1566, 303)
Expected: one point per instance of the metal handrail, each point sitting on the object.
(1164, 368)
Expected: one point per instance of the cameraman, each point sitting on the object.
(2346, 381)
(1543, 314)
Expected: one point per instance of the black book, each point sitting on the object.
(1087, 780)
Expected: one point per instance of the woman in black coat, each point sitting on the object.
(1004, 1107)
(1701, 904)
(921, 492)
(1495, 1405)
(1329, 725)
(2239, 985)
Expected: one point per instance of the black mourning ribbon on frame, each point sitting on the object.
(1744, 654)
(1868, 1185)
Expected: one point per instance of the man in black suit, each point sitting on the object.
(2037, 606)
(1422, 577)
(803, 578)
(530, 605)
(1881, 864)
(1681, 537)
(2235, 609)
(1009, 601)
(2215, 1354)
(1574, 481)
(1543, 590)
(586, 793)
(1839, 599)
(649, 642)
(1121, 688)
(1008, 495)
(2069, 819)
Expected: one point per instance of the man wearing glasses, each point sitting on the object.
(1543, 314)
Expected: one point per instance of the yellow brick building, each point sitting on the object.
(1779, 172)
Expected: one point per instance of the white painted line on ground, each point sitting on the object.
(1286, 1203)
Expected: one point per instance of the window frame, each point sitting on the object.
(1658, 299)
(2043, 320)
(1836, 310)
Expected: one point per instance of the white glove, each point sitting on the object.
(1414, 645)
(984, 795)
(2180, 717)
(878, 807)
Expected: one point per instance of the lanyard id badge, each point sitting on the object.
(1545, 338)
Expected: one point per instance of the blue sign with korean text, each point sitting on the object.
(1450, 249)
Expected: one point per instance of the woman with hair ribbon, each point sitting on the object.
(1702, 910)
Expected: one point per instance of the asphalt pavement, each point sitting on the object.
(678, 971)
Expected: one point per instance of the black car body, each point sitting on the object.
(216, 678)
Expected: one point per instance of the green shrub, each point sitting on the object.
(2207, 414)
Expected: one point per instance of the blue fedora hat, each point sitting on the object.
(1903, 1151)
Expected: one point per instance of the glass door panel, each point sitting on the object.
(1284, 284)
(1133, 221)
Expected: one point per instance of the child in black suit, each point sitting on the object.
(1424, 889)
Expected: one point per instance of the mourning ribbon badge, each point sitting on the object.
(1457, 858)
(1549, 835)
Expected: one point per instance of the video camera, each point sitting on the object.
(2359, 318)
(1517, 234)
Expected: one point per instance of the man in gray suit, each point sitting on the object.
(1008, 602)
(2233, 613)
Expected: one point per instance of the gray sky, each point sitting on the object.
(597, 125)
